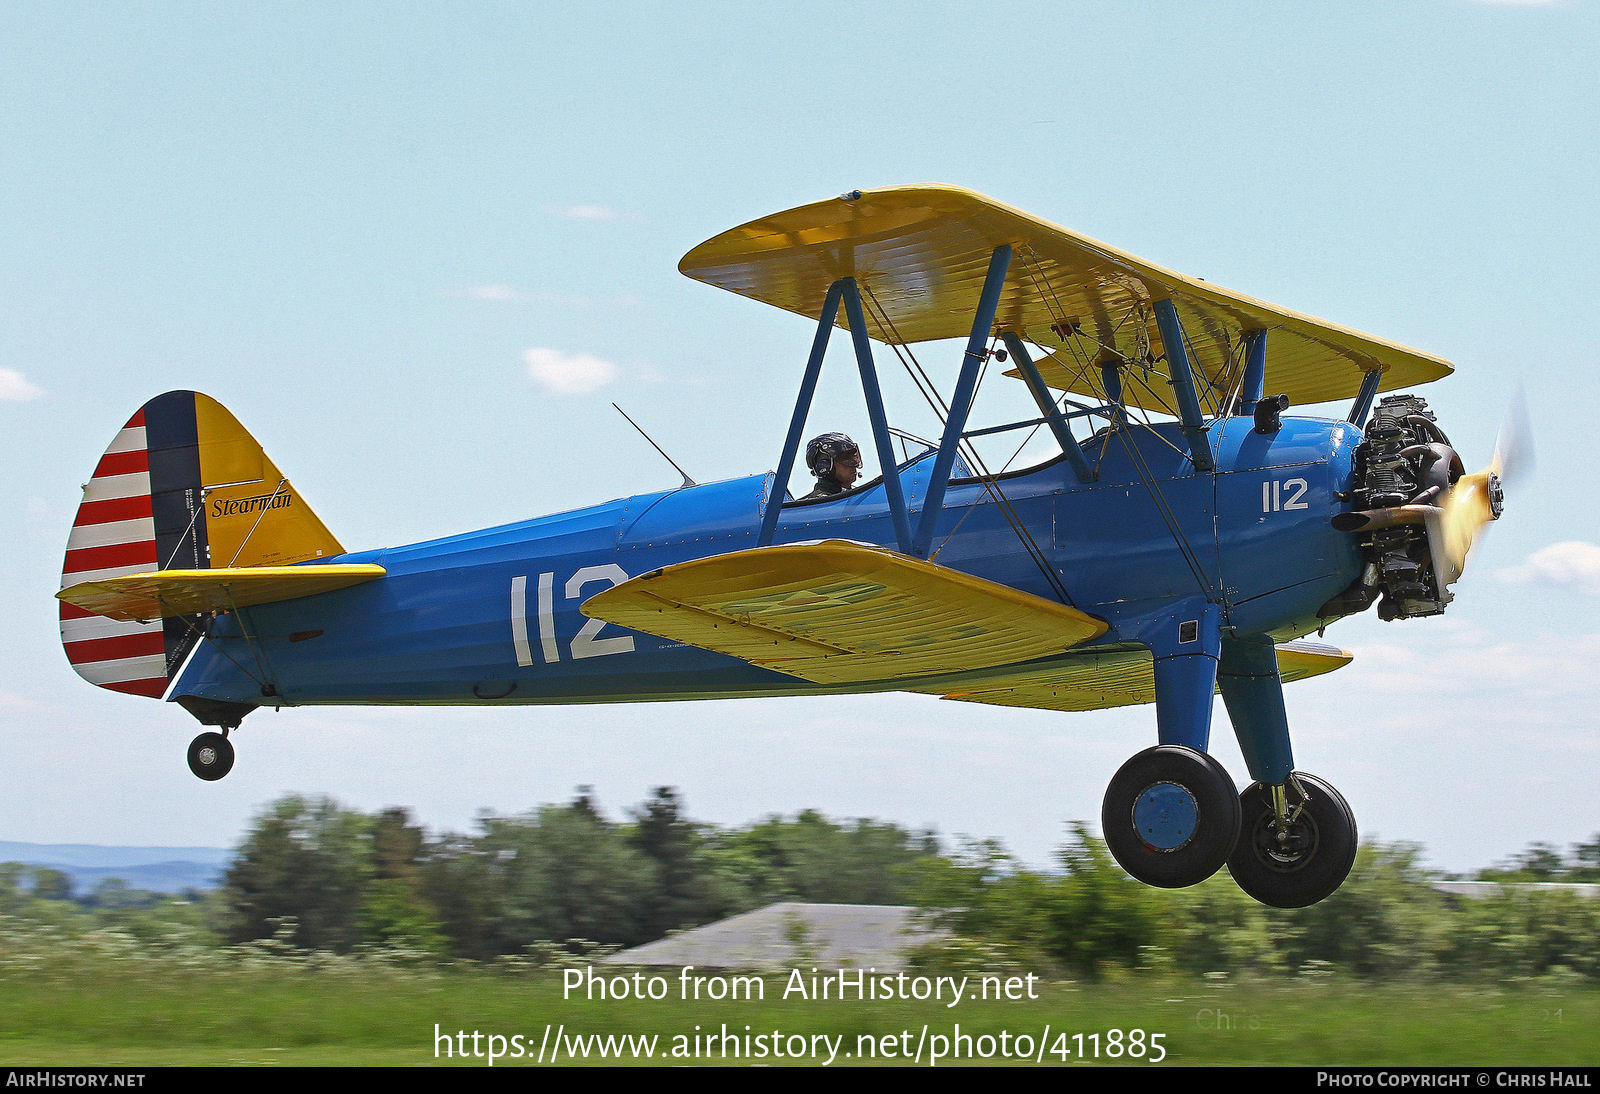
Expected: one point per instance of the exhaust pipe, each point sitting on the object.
(1372, 520)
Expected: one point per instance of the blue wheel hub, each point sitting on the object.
(1165, 815)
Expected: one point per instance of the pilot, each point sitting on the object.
(836, 462)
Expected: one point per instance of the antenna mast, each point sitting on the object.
(687, 481)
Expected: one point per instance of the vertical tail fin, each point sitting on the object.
(183, 486)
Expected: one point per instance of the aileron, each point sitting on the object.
(1116, 678)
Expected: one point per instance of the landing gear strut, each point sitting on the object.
(1296, 844)
(1297, 841)
(211, 755)
(1171, 817)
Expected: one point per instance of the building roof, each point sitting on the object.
(788, 935)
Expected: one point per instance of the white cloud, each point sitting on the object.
(507, 294)
(12, 703)
(16, 388)
(1573, 563)
(46, 523)
(568, 374)
(648, 374)
(582, 212)
(510, 294)
(1523, 694)
(1469, 666)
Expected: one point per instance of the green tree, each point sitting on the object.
(394, 910)
(1383, 921)
(113, 894)
(690, 885)
(1521, 932)
(461, 882)
(1537, 862)
(557, 873)
(51, 884)
(1216, 927)
(1586, 861)
(391, 914)
(1101, 919)
(981, 893)
(304, 859)
(13, 896)
(812, 858)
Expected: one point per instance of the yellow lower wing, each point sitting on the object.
(1117, 678)
(843, 613)
(163, 593)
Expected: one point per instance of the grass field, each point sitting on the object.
(350, 1012)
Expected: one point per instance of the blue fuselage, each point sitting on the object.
(443, 626)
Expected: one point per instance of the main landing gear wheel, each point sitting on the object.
(1297, 863)
(1171, 816)
(210, 756)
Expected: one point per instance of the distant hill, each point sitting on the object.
(154, 869)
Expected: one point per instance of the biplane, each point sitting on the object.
(1183, 540)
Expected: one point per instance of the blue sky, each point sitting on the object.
(388, 236)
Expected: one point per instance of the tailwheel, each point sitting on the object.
(210, 756)
(1171, 816)
(1297, 842)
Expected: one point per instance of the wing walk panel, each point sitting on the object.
(837, 612)
(923, 250)
(1117, 678)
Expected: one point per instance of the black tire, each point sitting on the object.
(1171, 854)
(1314, 859)
(210, 756)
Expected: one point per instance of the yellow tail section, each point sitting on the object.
(253, 515)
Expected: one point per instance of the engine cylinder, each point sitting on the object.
(1405, 463)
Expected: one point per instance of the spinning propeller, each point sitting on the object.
(1477, 499)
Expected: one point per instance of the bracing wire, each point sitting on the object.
(205, 636)
(1154, 489)
(1215, 388)
(1007, 510)
(1136, 457)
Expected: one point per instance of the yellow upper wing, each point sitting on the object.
(921, 253)
(163, 593)
(842, 613)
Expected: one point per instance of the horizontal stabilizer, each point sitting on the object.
(837, 612)
(1118, 678)
(166, 593)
